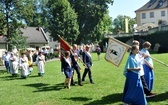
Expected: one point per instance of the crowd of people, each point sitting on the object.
(138, 70)
(69, 64)
(24, 61)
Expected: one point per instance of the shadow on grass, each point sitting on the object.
(10, 77)
(78, 99)
(45, 87)
(110, 99)
(159, 97)
(3, 71)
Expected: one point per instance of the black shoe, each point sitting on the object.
(150, 95)
(80, 84)
(73, 84)
(92, 82)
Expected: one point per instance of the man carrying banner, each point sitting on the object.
(76, 67)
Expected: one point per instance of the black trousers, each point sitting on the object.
(87, 70)
(78, 75)
(145, 86)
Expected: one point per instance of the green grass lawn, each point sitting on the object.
(107, 90)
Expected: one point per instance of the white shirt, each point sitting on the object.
(69, 61)
(140, 59)
(6, 57)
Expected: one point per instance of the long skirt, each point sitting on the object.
(149, 76)
(40, 66)
(24, 70)
(14, 67)
(133, 90)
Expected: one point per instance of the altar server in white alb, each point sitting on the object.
(23, 63)
(40, 62)
(13, 65)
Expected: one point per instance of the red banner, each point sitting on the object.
(64, 46)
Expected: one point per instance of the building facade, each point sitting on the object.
(154, 11)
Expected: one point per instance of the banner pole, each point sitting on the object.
(71, 49)
(159, 61)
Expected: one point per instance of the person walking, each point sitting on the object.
(13, 65)
(40, 62)
(87, 60)
(98, 51)
(148, 65)
(133, 90)
(75, 65)
(66, 68)
(6, 61)
(140, 57)
(23, 62)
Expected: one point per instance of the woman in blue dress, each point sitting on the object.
(133, 90)
(148, 65)
(66, 66)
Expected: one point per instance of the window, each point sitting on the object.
(151, 14)
(162, 13)
(143, 15)
(160, 3)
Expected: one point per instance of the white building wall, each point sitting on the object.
(157, 16)
(2, 46)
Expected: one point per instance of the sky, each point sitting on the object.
(125, 7)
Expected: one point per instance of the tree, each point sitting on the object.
(15, 11)
(16, 38)
(63, 20)
(104, 26)
(2, 24)
(90, 13)
(119, 23)
(40, 14)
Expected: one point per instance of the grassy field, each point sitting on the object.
(107, 90)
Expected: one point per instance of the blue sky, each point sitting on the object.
(125, 7)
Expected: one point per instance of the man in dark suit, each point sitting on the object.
(75, 65)
(88, 63)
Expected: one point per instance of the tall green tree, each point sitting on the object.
(16, 38)
(104, 26)
(15, 11)
(40, 16)
(119, 23)
(90, 13)
(63, 20)
(2, 24)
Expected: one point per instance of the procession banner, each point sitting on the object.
(64, 46)
(115, 51)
